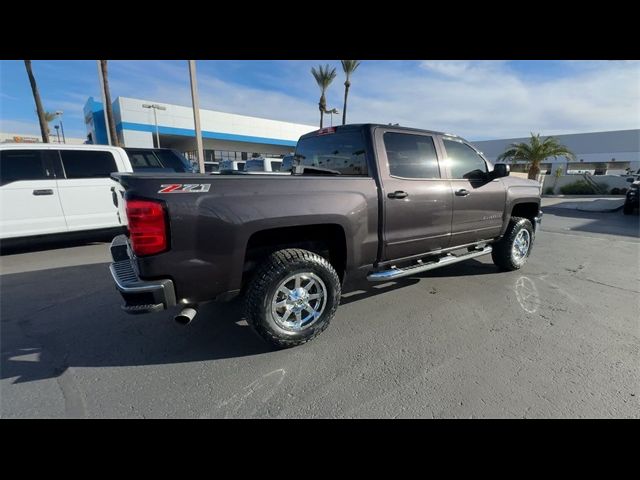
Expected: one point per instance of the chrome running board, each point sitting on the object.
(393, 272)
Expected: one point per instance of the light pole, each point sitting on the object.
(155, 107)
(195, 105)
(335, 110)
(59, 115)
(57, 127)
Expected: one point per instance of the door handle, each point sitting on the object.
(462, 192)
(398, 194)
(46, 191)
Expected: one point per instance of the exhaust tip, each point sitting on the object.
(186, 315)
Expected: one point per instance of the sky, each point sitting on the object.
(478, 100)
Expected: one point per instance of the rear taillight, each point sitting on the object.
(147, 227)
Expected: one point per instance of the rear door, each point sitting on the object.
(85, 189)
(417, 199)
(478, 201)
(29, 197)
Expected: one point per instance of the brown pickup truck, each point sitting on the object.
(372, 202)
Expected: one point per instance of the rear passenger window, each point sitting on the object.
(86, 164)
(411, 156)
(17, 165)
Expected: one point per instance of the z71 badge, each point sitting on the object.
(185, 188)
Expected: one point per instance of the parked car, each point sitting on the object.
(262, 164)
(374, 202)
(230, 166)
(50, 188)
(158, 160)
(211, 167)
(631, 201)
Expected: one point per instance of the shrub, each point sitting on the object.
(615, 191)
(548, 191)
(580, 187)
(624, 190)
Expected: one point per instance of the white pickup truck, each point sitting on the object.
(55, 189)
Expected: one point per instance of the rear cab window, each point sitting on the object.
(158, 160)
(342, 152)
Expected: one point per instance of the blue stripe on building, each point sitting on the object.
(187, 132)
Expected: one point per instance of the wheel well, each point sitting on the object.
(525, 210)
(327, 240)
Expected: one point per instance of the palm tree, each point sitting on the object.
(49, 117)
(324, 76)
(107, 100)
(349, 66)
(44, 129)
(535, 152)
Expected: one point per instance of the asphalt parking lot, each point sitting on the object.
(559, 338)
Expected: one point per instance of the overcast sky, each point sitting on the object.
(475, 99)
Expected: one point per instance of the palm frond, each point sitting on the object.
(324, 75)
(349, 66)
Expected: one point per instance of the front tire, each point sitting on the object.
(292, 297)
(512, 251)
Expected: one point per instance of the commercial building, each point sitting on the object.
(598, 153)
(139, 123)
(28, 138)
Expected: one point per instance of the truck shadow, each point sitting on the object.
(363, 289)
(70, 317)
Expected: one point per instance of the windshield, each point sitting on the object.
(340, 152)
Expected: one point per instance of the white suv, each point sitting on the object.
(53, 188)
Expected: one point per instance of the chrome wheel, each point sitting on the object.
(299, 301)
(520, 246)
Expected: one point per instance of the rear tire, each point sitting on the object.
(512, 251)
(292, 297)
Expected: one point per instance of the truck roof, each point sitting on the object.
(354, 126)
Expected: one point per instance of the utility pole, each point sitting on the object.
(104, 102)
(195, 102)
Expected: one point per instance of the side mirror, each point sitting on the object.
(501, 170)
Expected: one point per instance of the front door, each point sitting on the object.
(417, 199)
(29, 198)
(478, 201)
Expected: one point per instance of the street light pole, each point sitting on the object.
(57, 127)
(59, 115)
(195, 102)
(155, 118)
